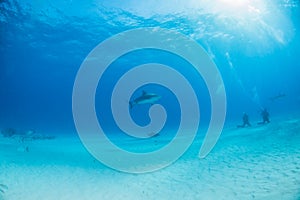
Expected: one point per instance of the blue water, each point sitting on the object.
(254, 45)
(44, 44)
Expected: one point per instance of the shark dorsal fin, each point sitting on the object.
(144, 92)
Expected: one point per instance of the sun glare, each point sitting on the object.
(235, 3)
(235, 6)
(230, 8)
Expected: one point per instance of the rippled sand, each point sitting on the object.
(253, 163)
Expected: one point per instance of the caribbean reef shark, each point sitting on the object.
(146, 98)
(279, 96)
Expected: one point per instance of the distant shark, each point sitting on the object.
(279, 96)
(146, 98)
(3, 188)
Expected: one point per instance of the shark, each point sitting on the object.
(145, 98)
(3, 188)
(279, 96)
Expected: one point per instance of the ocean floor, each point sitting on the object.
(261, 162)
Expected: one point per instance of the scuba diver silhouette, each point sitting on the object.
(265, 115)
(245, 121)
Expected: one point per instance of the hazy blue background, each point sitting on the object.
(255, 45)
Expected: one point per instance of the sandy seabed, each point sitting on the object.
(260, 162)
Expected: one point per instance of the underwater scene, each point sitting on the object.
(173, 99)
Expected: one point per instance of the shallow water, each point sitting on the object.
(70, 71)
(251, 163)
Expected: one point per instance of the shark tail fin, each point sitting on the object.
(130, 104)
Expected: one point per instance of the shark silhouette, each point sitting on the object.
(279, 96)
(2, 188)
(146, 98)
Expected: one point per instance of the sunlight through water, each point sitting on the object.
(261, 24)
